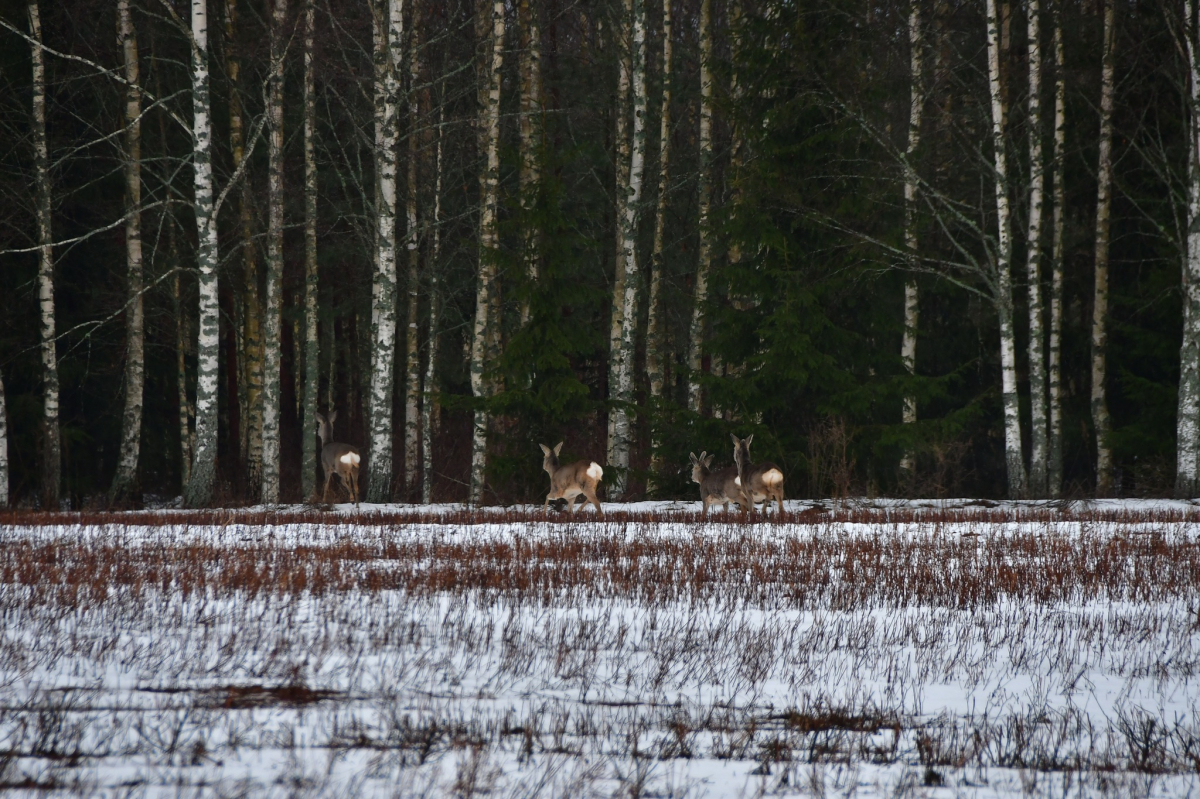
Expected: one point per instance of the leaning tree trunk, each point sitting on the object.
(3, 447)
(622, 436)
(489, 189)
(908, 343)
(1104, 174)
(131, 421)
(622, 145)
(696, 331)
(51, 437)
(1038, 456)
(530, 130)
(383, 311)
(1187, 422)
(273, 316)
(655, 338)
(1055, 466)
(204, 458)
(1013, 450)
(412, 384)
(429, 404)
(312, 351)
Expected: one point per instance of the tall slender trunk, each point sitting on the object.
(621, 159)
(655, 338)
(908, 343)
(3, 447)
(412, 385)
(489, 189)
(1055, 466)
(51, 437)
(1104, 173)
(429, 404)
(1013, 449)
(1038, 467)
(1187, 424)
(125, 479)
(383, 311)
(203, 470)
(312, 350)
(273, 315)
(696, 332)
(626, 352)
(186, 411)
(531, 141)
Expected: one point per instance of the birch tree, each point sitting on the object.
(3, 447)
(704, 262)
(312, 352)
(530, 140)
(428, 405)
(51, 436)
(1186, 423)
(412, 384)
(489, 189)
(655, 338)
(273, 312)
(1055, 465)
(1104, 172)
(621, 159)
(1038, 473)
(908, 344)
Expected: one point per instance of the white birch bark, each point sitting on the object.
(51, 436)
(1039, 444)
(125, 479)
(1187, 421)
(312, 351)
(1104, 172)
(489, 188)
(203, 470)
(383, 310)
(1055, 466)
(530, 141)
(1013, 449)
(429, 403)
(273, 312)
(655, 338)
(3, 447)
(625, 354)
(696, 331)
(622, 145)
(908, 343)
(412, 385)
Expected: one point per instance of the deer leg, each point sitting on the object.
(328, 480)
(591, 495)
(354, 487)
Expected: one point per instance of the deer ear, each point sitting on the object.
(749, 438)
(545, 449)
(708, 461)
(558, 448)
(320, 419)
(332, 416)
(693, 458)
(735, 439)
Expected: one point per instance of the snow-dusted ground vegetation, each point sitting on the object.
(865, 649)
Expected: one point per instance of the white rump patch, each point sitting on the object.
(772, 477)
(737, 481)
(594, 471)
(350, 459)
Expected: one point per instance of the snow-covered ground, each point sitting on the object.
(957, 649)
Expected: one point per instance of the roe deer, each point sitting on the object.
(339, 459)
(721, 486)
(760, 482)
(570, 481)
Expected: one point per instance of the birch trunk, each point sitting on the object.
(531, 142)
(51, 436)
(203, 470)
(186, 412)
(1014, 456)
(1187, 423)
(273, 316)
(908, 344)
(696, 332)
(621, 159)
(1055, 466)
(3, 447)
(622, 435)
(1104, 171)
(428, 406)
(412, 393)
(489, 187)
(312, 350)
(655, 340)
(383, 311)
(1038, 456)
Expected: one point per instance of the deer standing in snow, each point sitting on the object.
(339, 459)
(760, 482)
(719, 487)
(570, 481)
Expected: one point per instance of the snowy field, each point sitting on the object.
(868, 648)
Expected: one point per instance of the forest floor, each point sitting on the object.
(858, 648)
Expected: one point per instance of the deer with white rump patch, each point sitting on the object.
(339, 459)
(760, 482)
(575, 479)
(717, 487)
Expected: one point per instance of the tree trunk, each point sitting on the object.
(1187, 423)
(1055, 466)
(908, 344)
(203, 470)
(412, 386)
(383, 311)
(655, 338)
(1013, 449)
(125, 480)
(312, 351)
(273, 316)
(3, 447)
(429, 405)
(489, 188)
(621, 160)
(1038, 456)
(696, 332)
(1104, 172)
(531, 141)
